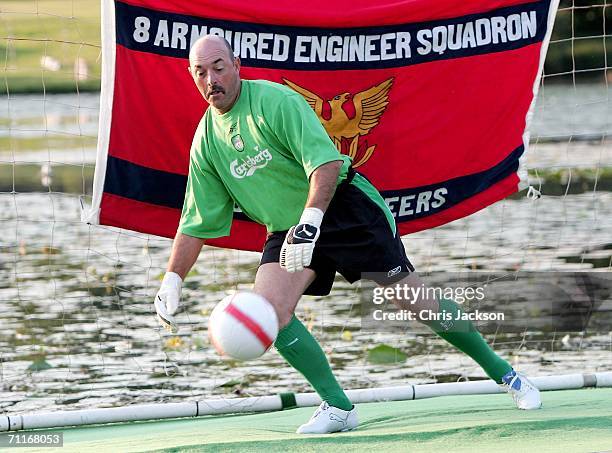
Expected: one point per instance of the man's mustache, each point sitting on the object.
(215, 89)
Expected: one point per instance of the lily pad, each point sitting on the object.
(230, 383)
(235, 386)
(199, 343)
(39, 364)
(384, 354)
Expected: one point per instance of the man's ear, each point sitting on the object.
(237, 63)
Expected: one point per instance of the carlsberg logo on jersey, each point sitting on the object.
(247, 166)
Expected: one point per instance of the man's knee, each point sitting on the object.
(284, 304)
(281, 289)
(284, 308)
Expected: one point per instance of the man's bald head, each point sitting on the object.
(215, 71)
(206, 42)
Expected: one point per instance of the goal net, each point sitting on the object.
(78, 325)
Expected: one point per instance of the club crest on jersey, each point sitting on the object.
(237, 142)
(241, 168)
(344, 128)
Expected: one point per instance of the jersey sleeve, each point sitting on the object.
(299, 129)
(208, 207)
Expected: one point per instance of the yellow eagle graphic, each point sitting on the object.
(345, 132)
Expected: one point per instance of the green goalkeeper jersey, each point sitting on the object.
(260, 156)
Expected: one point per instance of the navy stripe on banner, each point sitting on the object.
(148, 185)
(161, 188)
(309, 48)
(418, 202)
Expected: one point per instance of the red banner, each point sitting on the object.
(454, 80)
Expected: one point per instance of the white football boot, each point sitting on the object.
(330, 419)
(524, 393)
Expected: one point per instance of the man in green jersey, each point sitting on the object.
(261, 146)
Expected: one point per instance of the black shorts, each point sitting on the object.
(355, 238)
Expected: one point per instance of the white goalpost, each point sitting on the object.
(269, 403)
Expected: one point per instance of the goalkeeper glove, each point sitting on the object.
(296, 252)
(167, 301)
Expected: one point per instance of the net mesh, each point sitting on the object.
(78, 325)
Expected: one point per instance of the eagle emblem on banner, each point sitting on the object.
(345, 131)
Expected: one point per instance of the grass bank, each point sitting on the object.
(63, 31)
(66, 30)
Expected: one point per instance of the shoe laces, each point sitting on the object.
(323, 407)
(512, 381)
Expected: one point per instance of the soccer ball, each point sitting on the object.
(243, 326)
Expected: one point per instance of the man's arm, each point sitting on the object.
(323, 183)
(296, 251)
(185, 252)
(299, 129)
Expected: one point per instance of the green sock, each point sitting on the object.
(463, 335)
(300, 349)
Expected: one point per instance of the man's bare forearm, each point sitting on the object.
(185, 251)
(323, 183)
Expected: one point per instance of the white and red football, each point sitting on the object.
(243, 326)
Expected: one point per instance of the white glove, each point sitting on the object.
(296, 252)
(167, 301)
